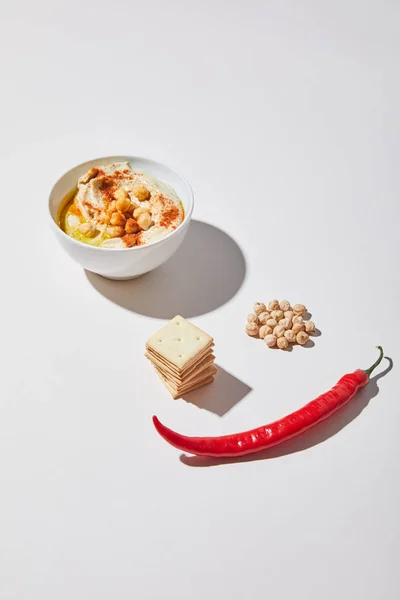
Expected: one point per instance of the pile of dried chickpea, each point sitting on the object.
(278, 324)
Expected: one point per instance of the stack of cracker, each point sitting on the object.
(182, 356)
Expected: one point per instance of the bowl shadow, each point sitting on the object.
(206, 272)
(317, 435)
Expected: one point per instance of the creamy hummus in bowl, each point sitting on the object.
(121, 216)
(116, 207)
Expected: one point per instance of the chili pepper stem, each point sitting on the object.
(376, 363)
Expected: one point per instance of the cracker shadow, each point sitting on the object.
(220, 396)
(206, 272)
(317, 435)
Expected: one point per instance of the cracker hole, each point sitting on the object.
(180, 355)
(198, 337)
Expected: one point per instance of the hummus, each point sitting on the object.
(115, 207)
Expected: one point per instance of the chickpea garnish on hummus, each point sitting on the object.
(116, 207)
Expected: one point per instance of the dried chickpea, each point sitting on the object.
(297, 319)
(282, 343)
(131, 226)
(273, 305)
(251, 329)
(117, 219)
(259, 308)
(122, 199)
(141, 193)
(105, 217)
(277, 315)
(263, 317)
(112, 207)
(120, 194)
(297, 327)
(279, 331)
(286, 323)
(264, 330)
(144, 221)
(299, 309)
(290, 336)
(123, 205)
(288, 314)
(88, 229)
(271, 323)
(252, 318)
(116, 231)
(270, 340)
(302, 338)
(310, 326)
(284, 305)
(140, 211)
(129, 210)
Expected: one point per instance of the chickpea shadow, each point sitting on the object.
(317, 435)
(307, 317)
(290, 348)
(295, 347)
(205, 273)
(219, 398)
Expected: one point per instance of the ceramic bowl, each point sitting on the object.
(125, 263)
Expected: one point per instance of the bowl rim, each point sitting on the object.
(187, 217)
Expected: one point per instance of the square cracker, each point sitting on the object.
(168, 372)
(178, 386)
(206, 372)
(175, 394)
(179, 342)
(187, 386)
(188, 366)
(181, 382)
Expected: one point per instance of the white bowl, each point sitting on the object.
(124, 263)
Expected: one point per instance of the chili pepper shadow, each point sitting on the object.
(318, 434)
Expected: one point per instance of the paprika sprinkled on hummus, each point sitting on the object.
(169, 216)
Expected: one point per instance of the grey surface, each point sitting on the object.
(284, 118)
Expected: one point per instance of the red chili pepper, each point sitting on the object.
(239, 444)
